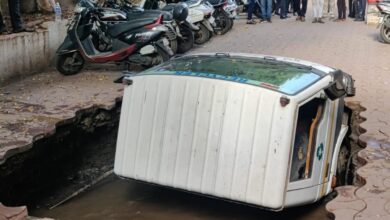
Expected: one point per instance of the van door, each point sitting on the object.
(312, 142)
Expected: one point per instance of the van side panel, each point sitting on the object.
(208, 136)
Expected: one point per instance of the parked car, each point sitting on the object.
(260, 130)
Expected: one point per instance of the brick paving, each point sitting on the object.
(354, 48)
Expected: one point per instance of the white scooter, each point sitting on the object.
(200, 14)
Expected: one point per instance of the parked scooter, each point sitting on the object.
(200, 14)
(231, 8)
(185, 30)
(222, 18)
(134, 12)
(384, 23)
(140, 41)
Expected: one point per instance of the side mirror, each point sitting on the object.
(335, 90)
(124, 79)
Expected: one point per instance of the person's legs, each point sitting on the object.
(14, 12)
(326, 7)
(2, 25)
(263, 9)
(315, 10)
(269, 9)
(250, 9)
(296, 6)
(320, 10)
(343, 9)
(283, 9)
(332, 8)
(339, 9)
(304, 8)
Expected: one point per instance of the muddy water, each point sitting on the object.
(125, 199)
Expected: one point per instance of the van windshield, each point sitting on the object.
(283, 77)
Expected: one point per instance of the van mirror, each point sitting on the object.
(335, 90)
(124, 78)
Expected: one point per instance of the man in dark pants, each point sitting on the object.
(282, 4)
(300, 6)
(16, 21)
(251, 6)
(360, 10)
(342, 10)
(351, 9)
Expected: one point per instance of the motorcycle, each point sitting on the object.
(223, 20)
(98, 35)
(201, 16)
(384, 23)
(231, 8)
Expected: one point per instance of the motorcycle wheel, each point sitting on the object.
(186, 42)
(223, 22)
(385, 34)
(160, 56)
(203, 35)
(69, 63)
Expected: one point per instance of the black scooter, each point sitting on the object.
(222, 18)
(99, 35)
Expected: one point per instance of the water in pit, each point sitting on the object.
(117, 199)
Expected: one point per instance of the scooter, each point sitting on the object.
(201, 15)
(140, 41)
(185, 30)
(384, 23)
(134, 12)
(222, 18)
(231, 8)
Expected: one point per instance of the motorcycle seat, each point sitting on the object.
(149, 14)
(217, 2)
(118, 28)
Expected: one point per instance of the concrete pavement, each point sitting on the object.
(354, 48)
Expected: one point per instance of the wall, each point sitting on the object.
(28, 53)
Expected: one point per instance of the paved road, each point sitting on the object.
(350, 46)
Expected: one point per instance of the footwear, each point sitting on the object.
(338, 20)
(320, 21)
(251, 21)
(303, 19)
(23, 29)
(284, 17)
(269, 20)
(315, 20)
(3, 31)
(263, 21)
(298, 18)
(294, 13)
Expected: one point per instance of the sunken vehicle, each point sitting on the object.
(260, 130)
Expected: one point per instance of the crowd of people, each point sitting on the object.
(321, 9)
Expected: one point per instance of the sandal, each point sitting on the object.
(251, 22)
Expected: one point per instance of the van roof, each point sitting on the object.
(267, 72)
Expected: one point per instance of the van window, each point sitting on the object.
(283, 77)
(309, 117)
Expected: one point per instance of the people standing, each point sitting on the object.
(342, 10)
(251, 6)
(283, 9)
(318, 6)
(329, 9)
(360, 10)
(16, 21)
(266, 10)
(351, 9)
(300, 6)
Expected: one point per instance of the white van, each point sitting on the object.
(259, 130)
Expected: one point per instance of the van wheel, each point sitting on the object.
(69, 63)
(342, 166)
